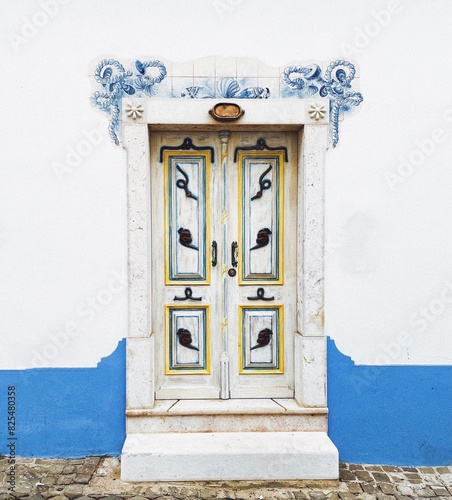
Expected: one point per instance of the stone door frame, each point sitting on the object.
(274, 114)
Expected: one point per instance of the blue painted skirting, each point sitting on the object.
(67, 412)
(398, 415)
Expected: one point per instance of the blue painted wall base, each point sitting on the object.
(67, 412)
(396, 415)
(400, 415)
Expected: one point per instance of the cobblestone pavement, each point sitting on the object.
(99, 478)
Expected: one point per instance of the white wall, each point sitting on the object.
(63, 231)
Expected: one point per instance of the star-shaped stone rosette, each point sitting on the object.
(134, 110)
(317, 111)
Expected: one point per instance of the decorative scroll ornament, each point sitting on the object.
(263, 184)
(263, 238)
(260, 295)
(185, 238)
(186, 145)
(335, 84)
(263, 338)
(300, 82)
(183, 183)
(188, 295)
(185, 339)
(119, 82)
(261, 145)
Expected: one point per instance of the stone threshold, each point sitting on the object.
(226, 407)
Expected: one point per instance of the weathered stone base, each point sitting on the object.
(229, 456)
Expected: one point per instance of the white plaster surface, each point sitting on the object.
(229, 456)
(63, 227)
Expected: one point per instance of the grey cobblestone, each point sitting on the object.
(354, 487)
(363, 475)
(382, 496)
(301, 495)
(318, 495)
(405, 490)
(380, 477)
(346, 495)
(370, 487)
(440, 491)
(99, 479)
(387, 488)
(82, 478)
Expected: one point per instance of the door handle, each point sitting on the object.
(214, 253)
(234, 253)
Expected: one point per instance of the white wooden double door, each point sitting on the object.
(224, 291)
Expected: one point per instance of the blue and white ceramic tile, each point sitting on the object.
(222, 79)
(225, 66)
(264, 70)
(164, 90)
(182, 69)
(204, 67)
(180, 85)
(203, 88)
(270, 83)
(247, 67)
(249, 89)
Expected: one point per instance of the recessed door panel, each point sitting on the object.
(261, 340)
(188, 339)
(186, 195)
(261, 212)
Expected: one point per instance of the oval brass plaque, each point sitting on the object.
(226, 111)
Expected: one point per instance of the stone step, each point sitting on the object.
(227, 423)
(229, 456)
(233, 415)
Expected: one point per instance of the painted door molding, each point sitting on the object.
(310, 347)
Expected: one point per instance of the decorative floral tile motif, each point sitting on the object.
(225, 78)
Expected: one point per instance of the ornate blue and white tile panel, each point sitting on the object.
(225, 78)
